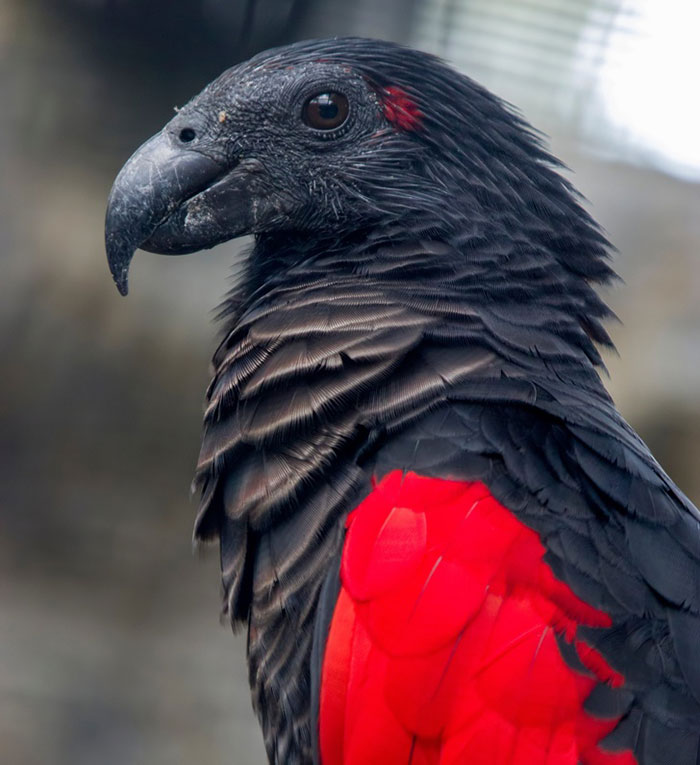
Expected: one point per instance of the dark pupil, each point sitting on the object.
(327, 110)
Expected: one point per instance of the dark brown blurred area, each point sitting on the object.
(110, 645)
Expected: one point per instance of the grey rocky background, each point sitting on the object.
(110, 646)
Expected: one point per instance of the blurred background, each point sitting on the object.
(110, 646)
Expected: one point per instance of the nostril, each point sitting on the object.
(187, 134)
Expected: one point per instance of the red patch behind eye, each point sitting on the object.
(400, 109)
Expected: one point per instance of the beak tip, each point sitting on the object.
(120, 251)
(119, 267)
(122, 286)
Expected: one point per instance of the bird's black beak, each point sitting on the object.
(172, 200)
(154, 182)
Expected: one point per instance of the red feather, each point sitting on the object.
(442, 644)
(400, 109)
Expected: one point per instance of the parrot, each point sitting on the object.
(442, 539)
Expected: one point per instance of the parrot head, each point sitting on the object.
(330, 139)
(284, 142)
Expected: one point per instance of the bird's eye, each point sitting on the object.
(326, 111)
(187, 135)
